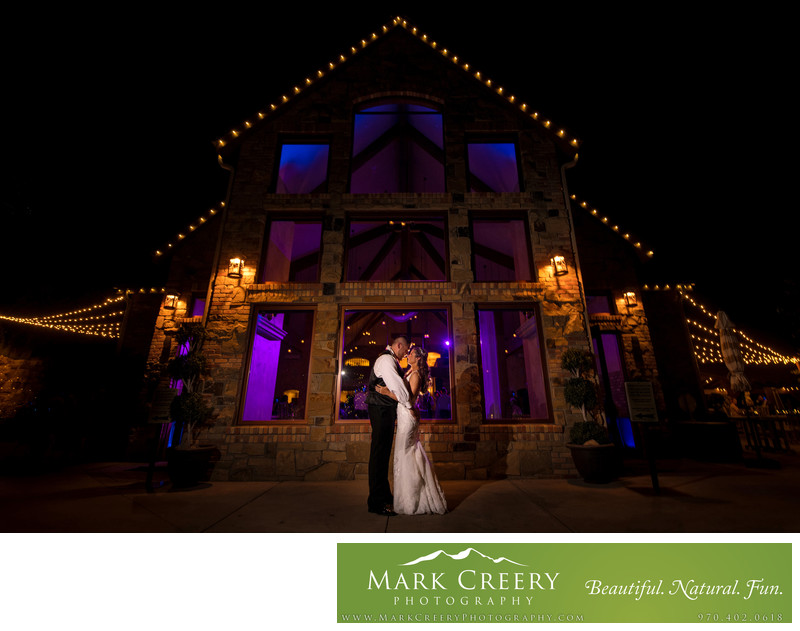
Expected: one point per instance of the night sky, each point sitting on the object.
(684, 120)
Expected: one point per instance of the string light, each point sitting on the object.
(707, 350)
(364, 43)
(191, 228)
(82, 321)
(88, 320)
(615, 228)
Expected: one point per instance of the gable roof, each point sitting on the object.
(613, 227)
(400, 23)
(201, 221)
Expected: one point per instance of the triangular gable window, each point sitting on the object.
(398, 148)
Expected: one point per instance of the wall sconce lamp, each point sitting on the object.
(171, 301)
(559, 264)
(236, 267)
(630, 299)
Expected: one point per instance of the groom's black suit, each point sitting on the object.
(382, 417)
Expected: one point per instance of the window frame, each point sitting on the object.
(300, 140)
(524, 306)
(244, 382)
(476, 139)
(388, 306)
(510, 215)
(605, 293)
(393, 216)
(196, 299)
(300, 217)
(358, 108)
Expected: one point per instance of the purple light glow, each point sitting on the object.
(501, 250)
(493, 167)
(511, 364)
(303, 168)
(388, 155)
(364, 327)
(384, 251)
(278, 375)
(198, 308)
(293, 252)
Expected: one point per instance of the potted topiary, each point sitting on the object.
(596, 457)
(188, 463)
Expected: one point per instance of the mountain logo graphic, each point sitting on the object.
(459, 556)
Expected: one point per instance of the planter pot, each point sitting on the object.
(189, 467)
(596, 463)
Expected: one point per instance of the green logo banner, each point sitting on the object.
(563, 582)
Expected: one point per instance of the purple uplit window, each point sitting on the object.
(511, 365)
(292, 252)
(277, 379)
(396, 250)
(398, 148)
(198, 306)
(366, 335)
(500, 249)
(600, 303)
(303, 168)
(493, 167)
(608, 356)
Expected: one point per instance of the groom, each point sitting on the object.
(382, 411)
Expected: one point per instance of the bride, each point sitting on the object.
(416, 489)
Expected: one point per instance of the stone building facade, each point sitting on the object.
(396, 193)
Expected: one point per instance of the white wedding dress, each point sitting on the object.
(416, 489)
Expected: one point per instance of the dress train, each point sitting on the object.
(416, 489)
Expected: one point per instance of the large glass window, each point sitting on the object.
(396, 250)
(500, 250)
(599, 303)
(277, 379)
(398, 148)
(198, 305)
(493, 167)
(292, 252)
(511, 365)
(366, 333)
(302, 168)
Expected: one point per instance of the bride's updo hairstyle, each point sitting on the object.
(424, 370)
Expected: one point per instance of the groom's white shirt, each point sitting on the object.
(386, 368)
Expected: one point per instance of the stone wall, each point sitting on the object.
(21, 380)
(321, 447)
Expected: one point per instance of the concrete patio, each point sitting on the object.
(693, 497)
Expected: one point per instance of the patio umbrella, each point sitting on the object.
(731, 353)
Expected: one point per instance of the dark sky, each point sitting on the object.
(110, 119)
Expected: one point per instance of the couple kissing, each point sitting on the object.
(391, 398)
